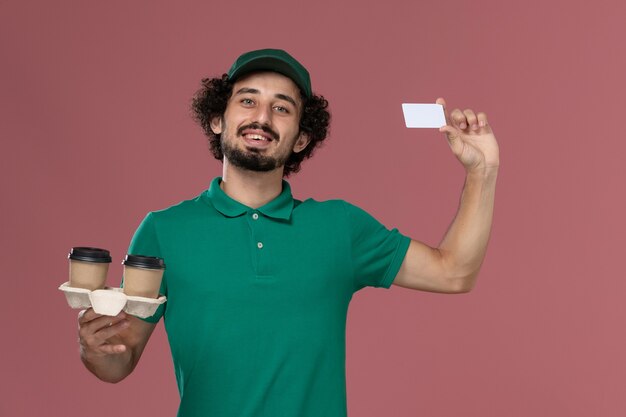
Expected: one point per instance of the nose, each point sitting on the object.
(263, 115)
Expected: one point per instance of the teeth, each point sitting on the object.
(256, 137)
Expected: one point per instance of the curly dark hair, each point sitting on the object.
(210, 102)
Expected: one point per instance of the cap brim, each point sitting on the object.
(273, 64)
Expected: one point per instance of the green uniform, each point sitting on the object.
(257, 299)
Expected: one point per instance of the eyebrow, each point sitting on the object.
(287, 98)
(247, 90)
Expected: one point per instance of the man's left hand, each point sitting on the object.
(471, 139)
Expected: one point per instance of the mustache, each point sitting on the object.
(258, 126)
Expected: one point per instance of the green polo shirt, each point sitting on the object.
(257, 299)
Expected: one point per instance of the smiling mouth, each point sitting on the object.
(256, 137)
(258, 132)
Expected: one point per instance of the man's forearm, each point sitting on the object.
(465, 243)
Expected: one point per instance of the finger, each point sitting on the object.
(112, 349)
(482, 119)
(452, 134)
(111, 329)
(94, 340)
(88, 329)
(85, 316)
(89, 314)
(105, 322)
(472, 121)
(458, 119)
(441, 101)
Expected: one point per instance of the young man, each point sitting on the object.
(258, 284)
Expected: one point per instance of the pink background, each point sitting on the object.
(95, 128)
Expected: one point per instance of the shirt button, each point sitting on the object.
(259, 245)
(255, 216)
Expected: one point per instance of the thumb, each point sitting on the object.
(452, 133)
(441, 101)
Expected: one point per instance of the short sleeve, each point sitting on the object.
(377, 252)
(145, 242)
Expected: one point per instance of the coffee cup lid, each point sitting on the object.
(87, 254)
(147, 262)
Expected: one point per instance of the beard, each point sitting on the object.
(251, 159)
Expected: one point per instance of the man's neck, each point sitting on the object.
(250, 188)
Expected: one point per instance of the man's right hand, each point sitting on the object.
(99, 335)
(110, 347)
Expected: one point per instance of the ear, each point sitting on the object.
(301, 143)
(216, 125)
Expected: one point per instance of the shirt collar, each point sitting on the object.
(278, 208)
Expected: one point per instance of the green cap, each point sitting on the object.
(275, 60)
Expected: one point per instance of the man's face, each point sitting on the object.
(260, 127)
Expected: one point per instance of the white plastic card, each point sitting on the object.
(423, 115)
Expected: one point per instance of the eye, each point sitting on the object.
(247, 101)
(281, 109)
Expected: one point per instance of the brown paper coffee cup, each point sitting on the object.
(143, 275)
(88, 267)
